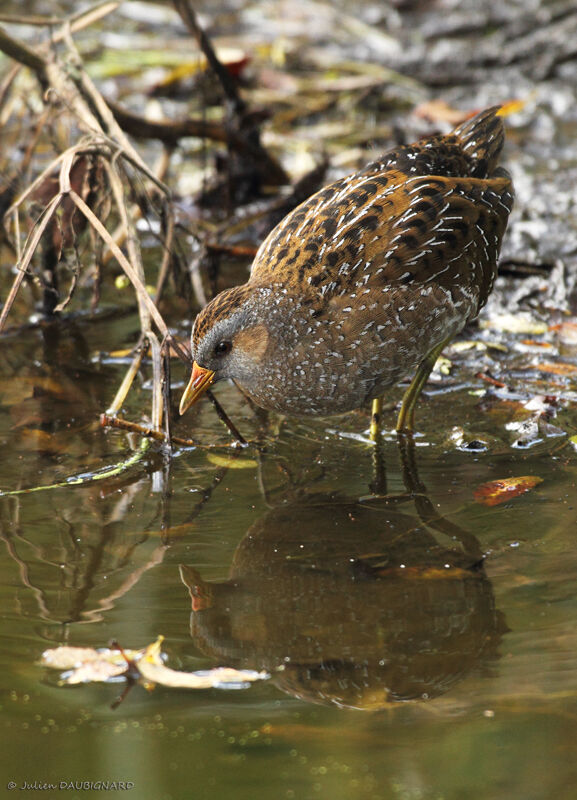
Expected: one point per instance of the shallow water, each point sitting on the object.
(409, 669)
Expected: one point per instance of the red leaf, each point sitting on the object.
(495, 492)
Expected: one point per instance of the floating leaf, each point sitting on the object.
(219, 678)
(232, 462)
(443, 365)
(467, 344)
(85, 665)
(494, 493)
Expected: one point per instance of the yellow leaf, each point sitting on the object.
(232, 462)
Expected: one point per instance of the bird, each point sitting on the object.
(365, 282)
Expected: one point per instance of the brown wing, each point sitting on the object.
(445, 231)
(390, 229)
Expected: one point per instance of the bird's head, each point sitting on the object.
(229, 340)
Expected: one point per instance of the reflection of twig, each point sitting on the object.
(379, 483)
(25, 579)
(207, 493)
(82, 583)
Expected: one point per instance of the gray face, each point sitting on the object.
(234, 336)
(225, 347)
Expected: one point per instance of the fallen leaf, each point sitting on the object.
(514, 323)
(559, 368)
(440, 111)
(219, 678)
(500, 491)
(533, 343)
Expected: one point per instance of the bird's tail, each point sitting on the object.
(482, 140)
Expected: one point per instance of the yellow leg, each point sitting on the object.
(376, 411)
(406, 418)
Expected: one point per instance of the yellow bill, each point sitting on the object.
(199, 382)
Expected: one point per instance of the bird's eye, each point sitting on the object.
(222, 348)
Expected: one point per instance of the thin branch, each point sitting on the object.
(170, 132)
(229, 87)
(20, 52)
(78, 21)
(123, 261)
(159, 436)
(223, 416)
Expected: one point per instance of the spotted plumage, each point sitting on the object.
(359, 284)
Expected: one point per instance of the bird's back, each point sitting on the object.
(434, 211)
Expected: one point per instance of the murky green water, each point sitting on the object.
(463, 676)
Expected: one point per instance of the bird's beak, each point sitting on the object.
(199, 382)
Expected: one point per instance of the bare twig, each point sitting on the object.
(170, 132)
(223, 416)
(29, 250)
(124, 263)
(20, 52)
(78, 21)
(128, 380)
(67, 83)
(229, 87)
(159, 436)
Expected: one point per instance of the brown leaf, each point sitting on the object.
(560, 368)
(494, 493)
(441, 111)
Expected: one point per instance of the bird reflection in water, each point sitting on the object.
(356, 601)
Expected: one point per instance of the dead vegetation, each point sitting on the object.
(98, 179)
